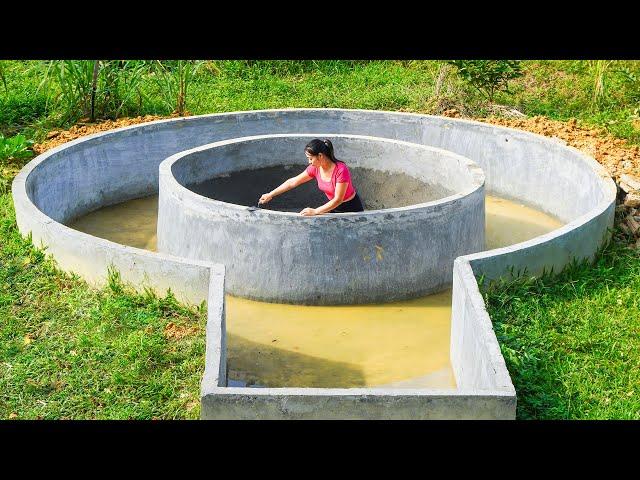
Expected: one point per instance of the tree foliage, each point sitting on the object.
(488, 76)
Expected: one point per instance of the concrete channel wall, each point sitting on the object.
(122, 164)
(369, 257)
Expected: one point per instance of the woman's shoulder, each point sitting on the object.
(311, 170)
(342, 167)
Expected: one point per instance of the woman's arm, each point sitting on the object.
(287, 185)
(338, 198)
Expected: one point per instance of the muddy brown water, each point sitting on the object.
(401, 344)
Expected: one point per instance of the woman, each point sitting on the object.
(333, 178)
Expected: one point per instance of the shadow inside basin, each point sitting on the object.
(377, 189)
(261, 365)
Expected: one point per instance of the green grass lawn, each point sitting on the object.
(572, 341)
(71, 351)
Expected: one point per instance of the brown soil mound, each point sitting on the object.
(178, 332)
(58, 137)
(615, 154)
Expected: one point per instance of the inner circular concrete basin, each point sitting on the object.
(377, 189)
(374, 256)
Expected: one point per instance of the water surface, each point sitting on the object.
(403, 344)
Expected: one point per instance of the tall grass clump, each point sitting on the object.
(599, 69)
(92, 89)
(3, 77)
(20, 103)
(173, 78)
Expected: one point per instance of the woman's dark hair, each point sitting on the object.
(317, 146)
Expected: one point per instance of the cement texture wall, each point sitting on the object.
(348, 258)
(122, 164)
(354, 404)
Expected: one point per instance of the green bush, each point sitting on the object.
(16, 147)
(488, 76)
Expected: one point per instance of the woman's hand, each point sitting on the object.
(308, 212)
(265, 198)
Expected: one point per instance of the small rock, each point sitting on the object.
(515, 113)
(625, 187)
(52, 133)
(632, 200)
(632, 181)
(633, 225)
(624, 228)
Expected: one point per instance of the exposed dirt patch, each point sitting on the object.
(58, 137)
(615, 154)
(178, 332)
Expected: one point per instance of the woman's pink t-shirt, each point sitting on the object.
(340, 174)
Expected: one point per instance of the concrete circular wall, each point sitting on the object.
(110, 167)
(119, 165)
(368, 257)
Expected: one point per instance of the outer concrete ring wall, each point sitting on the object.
(122, 164)
(369, 257)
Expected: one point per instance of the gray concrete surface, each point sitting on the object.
(115, 166)
(348, 258)
(237, 403)
(474, 350)
(91, 257)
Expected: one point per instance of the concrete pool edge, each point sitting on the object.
(217, 401)
(452, 225)
(226, 403)
(191, 280)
